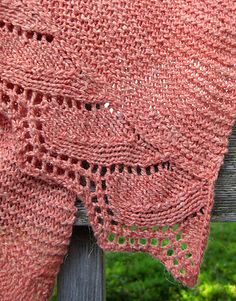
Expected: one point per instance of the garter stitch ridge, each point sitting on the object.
(127, 105)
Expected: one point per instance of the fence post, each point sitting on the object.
(81, 276)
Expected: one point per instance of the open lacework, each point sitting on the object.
(132, 206)
(27, 33)
(126, 105)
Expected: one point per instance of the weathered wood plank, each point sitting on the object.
(225, 189)
(81, 276)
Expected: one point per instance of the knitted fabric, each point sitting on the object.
(127, 105)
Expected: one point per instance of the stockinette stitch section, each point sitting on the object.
(127, 105)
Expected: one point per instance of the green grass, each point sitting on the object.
(139, 277)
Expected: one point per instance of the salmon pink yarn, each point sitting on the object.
(127, 105)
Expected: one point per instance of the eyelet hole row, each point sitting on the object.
(38, 97)
(28, 34)
(149, 170)
(154, 242)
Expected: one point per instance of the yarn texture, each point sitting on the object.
(126, 105)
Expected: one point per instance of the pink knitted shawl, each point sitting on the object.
(126, 104)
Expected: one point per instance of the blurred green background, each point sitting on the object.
(139, 277)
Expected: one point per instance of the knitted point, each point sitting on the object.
(127, 105)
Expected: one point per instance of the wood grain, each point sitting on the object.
(225, 189)
(81, 276)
